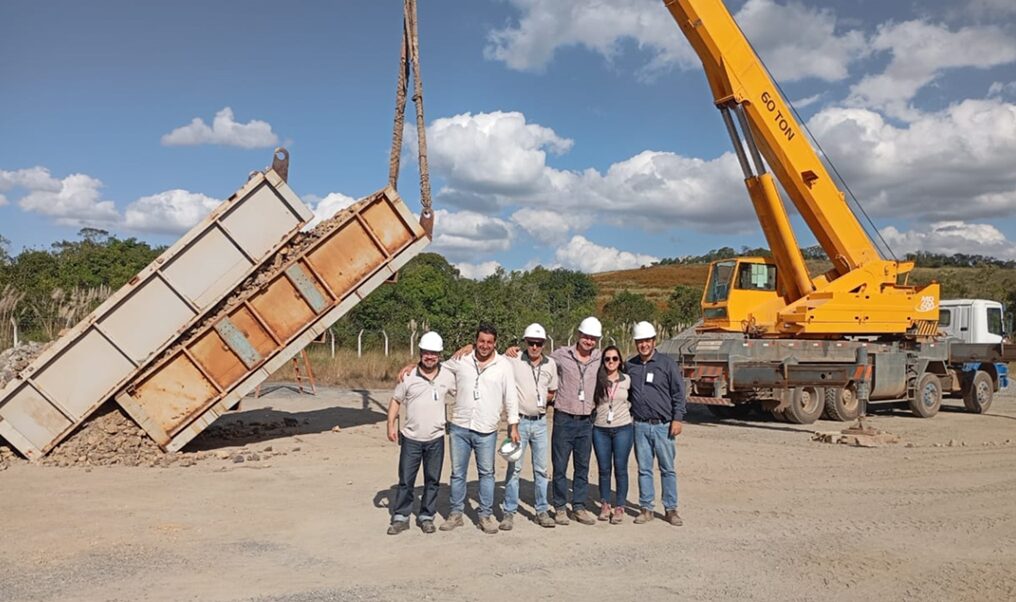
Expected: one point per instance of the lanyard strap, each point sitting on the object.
(582, 372)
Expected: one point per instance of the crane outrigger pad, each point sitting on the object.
(106, 350)
(266, 321)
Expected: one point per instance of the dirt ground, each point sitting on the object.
(769, 514)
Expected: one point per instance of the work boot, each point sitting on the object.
(489, 524)
(584, 516)
(398, 527)
(672, 518)
(645, 515)
(561, 516)
(544, 520)
(604, 510)
(453, 521)
(507, 522)
(427, 526)
(617, 517)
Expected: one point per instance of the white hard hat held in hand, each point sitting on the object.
(591, 327)
(643, 330)
(535, 331)
(431, 341)
(510, 450)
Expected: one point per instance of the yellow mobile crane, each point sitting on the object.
(772, 334)
(862, 293)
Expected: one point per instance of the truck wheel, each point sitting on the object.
(806, 405)
(841, 403)
(928, 396)
(979, 395)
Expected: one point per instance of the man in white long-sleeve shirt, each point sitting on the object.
(484, 384)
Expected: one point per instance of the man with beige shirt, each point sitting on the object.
(536, 380)
(485, 384)
(420, 395)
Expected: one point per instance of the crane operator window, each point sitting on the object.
(719, 281)
(756, 277)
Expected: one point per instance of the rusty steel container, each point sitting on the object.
(270, 318)
(112, 345)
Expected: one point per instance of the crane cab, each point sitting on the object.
(741, 294)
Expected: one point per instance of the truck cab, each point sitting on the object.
(972, 320)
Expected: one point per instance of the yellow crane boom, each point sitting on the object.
(861, 294)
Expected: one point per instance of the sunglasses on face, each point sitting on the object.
(612, 358)
(534, 343)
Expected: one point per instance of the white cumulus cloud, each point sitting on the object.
(818, 48)
(921, 52)
(170, 212)
(952, 164)
(75, 200)
(327, 207)
(225, 130)
(949, 237)
(465, 235)
(495, 160)
(477, 271)
(586, 256)
(549, 226)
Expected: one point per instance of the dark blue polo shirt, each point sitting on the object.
(656, 397)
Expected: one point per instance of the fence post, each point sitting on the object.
(331, 334)
(359, 344)
(14, 325)
(551, 339)
(385, 335)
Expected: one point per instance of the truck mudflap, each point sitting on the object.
(86, 366)
(271, 317)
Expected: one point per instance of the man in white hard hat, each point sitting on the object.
(536, 380)
(657, 407)
(574, 407)
(485, 384)
(421, 394)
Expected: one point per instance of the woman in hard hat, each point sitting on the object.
(613, 433)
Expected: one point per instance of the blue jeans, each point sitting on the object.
(412, 455)
(654, 440)
(533, 433)
(613, 447)
(571, 437)
(482, 445)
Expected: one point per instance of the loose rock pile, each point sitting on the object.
(108, 438)
(16, 359)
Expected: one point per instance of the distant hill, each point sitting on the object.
(656, 282)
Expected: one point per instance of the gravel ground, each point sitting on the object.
(769, 514)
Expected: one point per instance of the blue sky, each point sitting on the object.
(562, 132)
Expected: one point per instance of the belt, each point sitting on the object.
(575, 416)
(653, 421)
(524, 417)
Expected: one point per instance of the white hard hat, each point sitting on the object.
(535, 331)
(643, 330)
(510, 450)
(591, 327)
(431, 341)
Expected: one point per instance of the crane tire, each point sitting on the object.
(978, 396)
(806, 405)
(841, 403)
(927, 397)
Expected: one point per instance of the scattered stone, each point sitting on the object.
(237, 459)
(16, 359)
(296, 449)
(336, 429)
(290, 421)
(953, 443)
(267, 448)
(855, 437)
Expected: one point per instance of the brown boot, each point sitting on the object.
(672, 518)
(604, 510)
(584, 516)
(618, 517)
(645, 515)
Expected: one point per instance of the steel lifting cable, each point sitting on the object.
(410, 63)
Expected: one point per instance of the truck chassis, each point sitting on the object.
(798, 380)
